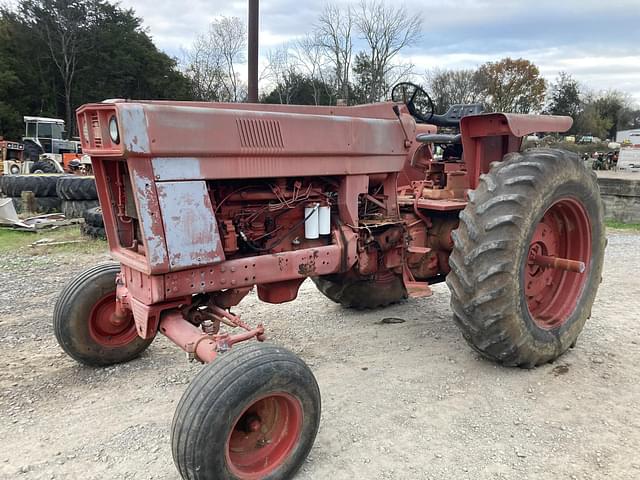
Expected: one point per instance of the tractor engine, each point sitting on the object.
(271, 216)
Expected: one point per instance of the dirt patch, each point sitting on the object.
(405, 400)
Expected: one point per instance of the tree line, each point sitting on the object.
(516, 86)
(353, 54)
(317, 69)
(58, 54)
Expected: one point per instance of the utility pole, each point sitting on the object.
(253, 51)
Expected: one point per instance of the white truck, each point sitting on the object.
(629, 159)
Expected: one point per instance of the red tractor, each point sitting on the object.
(203, 202)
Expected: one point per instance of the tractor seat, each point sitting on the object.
(455, 113)
(439, 138)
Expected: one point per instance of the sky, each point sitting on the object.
(598, 42)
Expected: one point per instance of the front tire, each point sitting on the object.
(82, 320)
(251, 414)
(540, 202)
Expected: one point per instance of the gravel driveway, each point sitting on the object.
(400, 401)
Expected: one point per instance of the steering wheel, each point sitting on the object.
(418, 101)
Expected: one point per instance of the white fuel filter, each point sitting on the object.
(312, 221)
(325, 220)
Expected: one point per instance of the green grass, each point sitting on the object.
(20, 242)
(622, 226)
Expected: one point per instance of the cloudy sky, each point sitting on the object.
(596, 41)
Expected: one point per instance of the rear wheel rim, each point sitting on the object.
(552, 295)
(105, 329)
(264, 436)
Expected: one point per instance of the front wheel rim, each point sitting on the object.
(105, 329)
(263, 436)
(552, 294)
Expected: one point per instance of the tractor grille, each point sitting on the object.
(256, 133)
(95, 127)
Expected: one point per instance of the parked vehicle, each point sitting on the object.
(629, 159)
(202, 202)
(11, 157)
(45, 146)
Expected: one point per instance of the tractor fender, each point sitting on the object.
(488, 137)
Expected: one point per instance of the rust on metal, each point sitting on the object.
(561, 263)
(308, 267)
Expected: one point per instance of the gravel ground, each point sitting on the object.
(400, 401)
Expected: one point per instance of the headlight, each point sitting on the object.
(113, 130)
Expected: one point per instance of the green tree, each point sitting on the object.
(127, 64)
(9, 81)
(564, 96)
(60, 54)
(64, 28)
(512, 86)
(364, 80)
(591, 122)
(613, 106)
(297, 89)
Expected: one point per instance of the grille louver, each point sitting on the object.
(95, 127)
(255, 133)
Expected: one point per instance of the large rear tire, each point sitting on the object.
(251, 414)
(76, 208)
(82, 320)
(510, 309)
(76, 187)
(362, 292)
(40, 185)
(42, 204)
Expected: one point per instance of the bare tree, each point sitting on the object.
(229, 36)
(310, 57)
(281, 68)
(450, 87)
(386, 29)
(205, 69)
(334, 34)
(211, 62)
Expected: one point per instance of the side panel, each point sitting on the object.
(189, 224)
(148, 208)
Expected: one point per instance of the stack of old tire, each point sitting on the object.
(93, 223)
(77, 194)
(43, 187)
(79, 198)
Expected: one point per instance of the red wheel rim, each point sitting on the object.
(552, 294)
(108, 330)
(263, 436)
